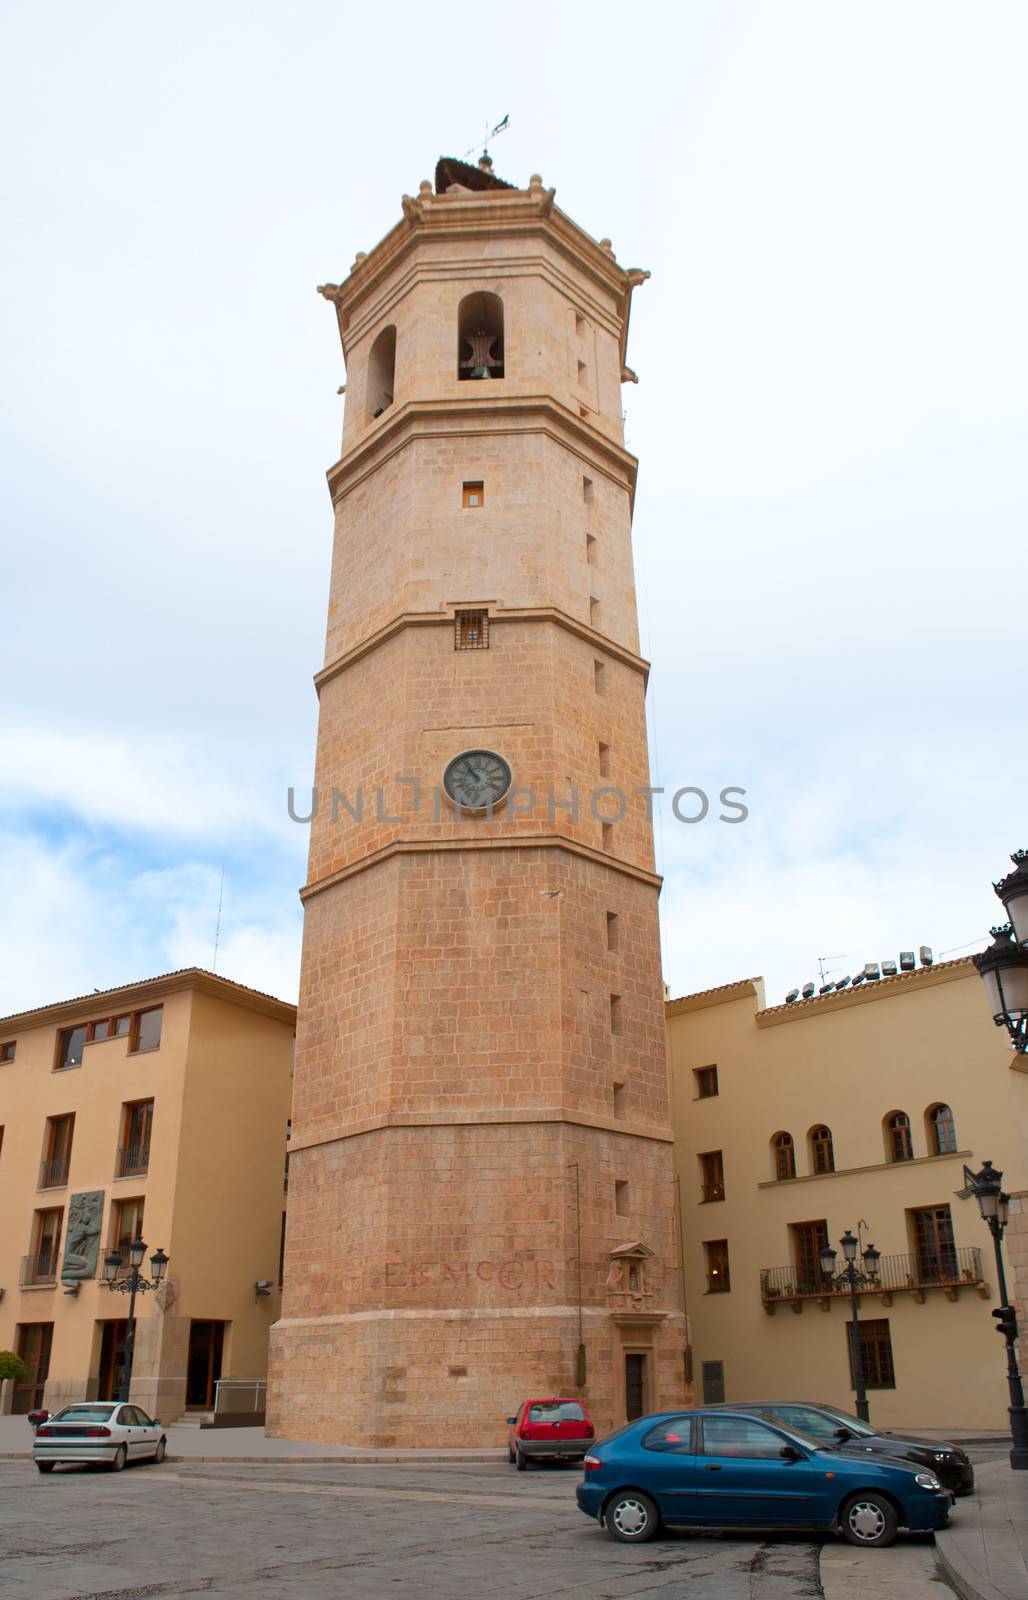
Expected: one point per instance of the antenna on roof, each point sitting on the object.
(490, 133)
(824, 968)
(217, 931)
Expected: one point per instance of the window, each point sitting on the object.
(612, 930)
(590, 549)
(942, 1132)
(599, 677)
(618, 1092)
(480, 336)
(7, 1050)
(603, 759)
(70, 1045)
(899, 1146)
(784, 1152)
(673, 1437)
(40, 1266)
(134, 1152)
(615, 1013)
(718, 1277)
(556, 1411)
(587, 491)
(126, 1224)
(381, 372)
(473, 496)
(146, 1030)
(471, 630)
(875, 1354)
(594, 612)
(935, 1245)
(712, 1176)
(53, 1172)
(607, 835)
(738, 1437)
(621, 1197)
(822, 1154)
(713, 1383)
(808, 1240)
(705, 1079)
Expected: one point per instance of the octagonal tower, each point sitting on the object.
(481, 1203)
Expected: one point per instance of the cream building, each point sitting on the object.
(155, 1111)
(854, 1110)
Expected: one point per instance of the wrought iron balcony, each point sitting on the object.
(39, 1271)
(53, 1174)
(133, 1161)
(950, 1269)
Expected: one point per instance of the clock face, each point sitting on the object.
(477, 779)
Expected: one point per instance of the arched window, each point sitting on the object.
(784, 1152)
(381, 372)
(942, 1131)
(899, 1146)
(480, 336)
(822, 1155)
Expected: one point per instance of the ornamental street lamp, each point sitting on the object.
(994, 1205)
(1004, 965)
(134, 1284)
(853, 1278)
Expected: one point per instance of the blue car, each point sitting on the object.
(727, 1469)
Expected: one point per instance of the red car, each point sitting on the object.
(556, 1428)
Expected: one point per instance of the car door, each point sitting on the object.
(135, 1441)
(149, 1432)
(742, 1476)
(666, 1468)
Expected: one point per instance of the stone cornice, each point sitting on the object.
(487, 415)
(652, 1133)
(514, 841)
(497, 616)
(871, 1166)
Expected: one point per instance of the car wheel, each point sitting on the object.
(868, 1519)
(631, 1517)
(45, 1466)
(520, 1459)
(120, 1456)
(161, 1451)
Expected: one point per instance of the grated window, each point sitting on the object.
(471, 630)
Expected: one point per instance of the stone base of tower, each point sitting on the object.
(397, 1379)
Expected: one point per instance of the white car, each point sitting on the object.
(100, 1430)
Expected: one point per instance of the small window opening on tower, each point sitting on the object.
(471, 630)
(594, 612)
(603, 757)
(612, 930)
(621, 1199)
(480, 336)
(599, 677)
(587, 491)
(607, 835)
(590, 549)
(615, 1013)
(618, 1095)
(382, 372)
(474, 496)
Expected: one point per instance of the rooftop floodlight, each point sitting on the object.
(871, 969)
(843, 982)
(906, 960)
(808, 991)
(793, 994)
(925, 953)
(826, 988)
(888, 969)
(858, 979)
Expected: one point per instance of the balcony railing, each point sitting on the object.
(39, 1270)
(950, 1269)
(133, 1161)
(53, 1174)
(712, 1191)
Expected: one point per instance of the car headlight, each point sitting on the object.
(927, 1480)
(941, 1455)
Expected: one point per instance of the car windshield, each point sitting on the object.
(842, 1419)
(84, 1414)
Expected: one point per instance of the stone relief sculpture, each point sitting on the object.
(81, 1242)
(631, 1281)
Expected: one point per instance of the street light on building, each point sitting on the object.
(1004, 965)
(132, 1285)
(994, 1205)
(853, 1278)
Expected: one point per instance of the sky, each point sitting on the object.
(830, 524)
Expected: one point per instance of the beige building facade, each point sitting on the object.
(854, 1110)
(155, 1111)
(481, 1195)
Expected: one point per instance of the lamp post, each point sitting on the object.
(994, 1205)
(853, 1278)
(1004, 965)
(134, 1284)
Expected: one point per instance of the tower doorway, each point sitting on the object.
(203, 1365)
(635, 1386)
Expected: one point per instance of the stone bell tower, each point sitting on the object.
(480, 1193)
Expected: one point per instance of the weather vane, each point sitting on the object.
(490, 133)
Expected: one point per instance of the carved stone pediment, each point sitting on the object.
(630, 1281)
